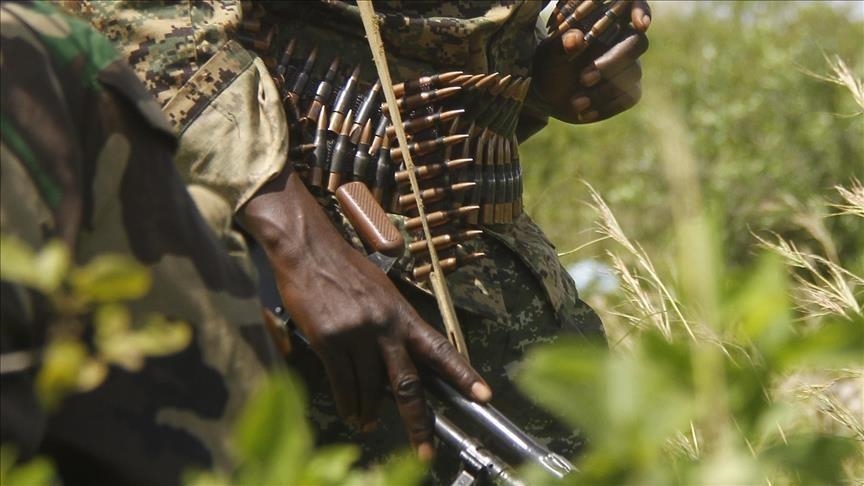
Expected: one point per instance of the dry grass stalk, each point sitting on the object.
(838, 399)
(854, 200)
(841, 75)
(824, 288)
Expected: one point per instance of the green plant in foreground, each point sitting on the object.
(79, 298)
(274, 445)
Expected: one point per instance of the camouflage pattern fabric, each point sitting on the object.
(518, 296)
(86, 158)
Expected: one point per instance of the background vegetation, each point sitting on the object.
(728, 204)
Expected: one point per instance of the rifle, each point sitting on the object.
(478, 461)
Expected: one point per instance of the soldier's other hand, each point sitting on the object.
(366, 334)
(581, 84)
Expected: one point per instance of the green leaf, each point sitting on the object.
(402, 469)
(272, 437)
(161, 337)
(762, 307)
(114, 339)
(330, 465)
(111, 278)
(62, 360)
(42, 271)
(52, 263)
(814, 459)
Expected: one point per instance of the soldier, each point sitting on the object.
(226, 109)
(86, 158)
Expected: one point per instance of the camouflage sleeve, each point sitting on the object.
(219, 97)
(86, 158)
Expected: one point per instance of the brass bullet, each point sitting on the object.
(319, 162)
(370, 103)
(340, 153)
(433, 194)
(447, 265)
(414, 85)
(423, 98)
(441, 242)
(429, 171)
(421, 123)
(425, 146)
(343, 99)
(438, 218)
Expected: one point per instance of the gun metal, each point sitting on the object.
(438, 218)
(507, 433)
(341, 151)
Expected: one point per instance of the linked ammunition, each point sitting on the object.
(429, 171)
(433, 194)
(319, 165)
(341, 149)
(447, 265)
(438, 218)
(425, 146)
(424, 83)
(343, 99)
(441, 242)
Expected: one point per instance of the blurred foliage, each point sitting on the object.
(770, 140)
(275, 445)
(81, 298)
(734, 138)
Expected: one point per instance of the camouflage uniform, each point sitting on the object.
(517, 296)
(86, 158)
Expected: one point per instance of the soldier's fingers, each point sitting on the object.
(640, 15)
(616, 59)
(340, 372)
(408, 393)
(573, 42)
(623, 102)
(370, 384)
(437, 352)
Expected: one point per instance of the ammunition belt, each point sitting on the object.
(461, 130)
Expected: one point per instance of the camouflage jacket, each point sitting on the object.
(86, 159)
(232, 127)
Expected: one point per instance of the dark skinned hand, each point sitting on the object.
(366, 334)
(577, 83)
